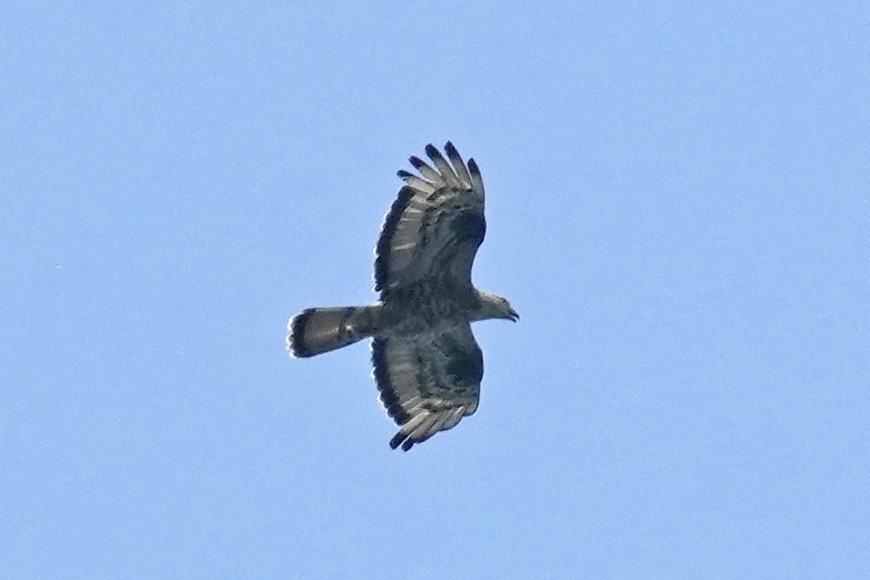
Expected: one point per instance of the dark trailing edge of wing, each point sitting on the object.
(382, 259)
(388, 397)
(385, 384)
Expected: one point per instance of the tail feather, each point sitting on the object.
(318, 330)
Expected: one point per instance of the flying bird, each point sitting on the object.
(427, 365)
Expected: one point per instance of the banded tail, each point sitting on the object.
(318, 330)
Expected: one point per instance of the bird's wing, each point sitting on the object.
(428, 382)
(435, 226)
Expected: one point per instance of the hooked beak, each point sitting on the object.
(513, 315)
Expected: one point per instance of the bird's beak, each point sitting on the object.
(513, 315)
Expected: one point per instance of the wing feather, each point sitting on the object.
(476, 179)
(434, 227)
(426, 171)
(428, 382)
(417, 182)
(443, 167)
(458, 164)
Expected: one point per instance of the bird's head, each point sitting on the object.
(494, 306)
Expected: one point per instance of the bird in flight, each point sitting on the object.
(427, 364)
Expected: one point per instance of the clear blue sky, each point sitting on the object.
(678, 206)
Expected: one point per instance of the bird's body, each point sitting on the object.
(427, 364)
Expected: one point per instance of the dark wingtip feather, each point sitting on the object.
(458, 164)
(397, 440)
(403, 174)
(476, 178)
(472, 167)
(385, 385)
(438, 159)
(416, 161)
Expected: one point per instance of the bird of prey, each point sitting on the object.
(427, 365)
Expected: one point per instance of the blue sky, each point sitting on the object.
(678, 206)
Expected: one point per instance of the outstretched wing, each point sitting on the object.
(434, 228)
(428, 383)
